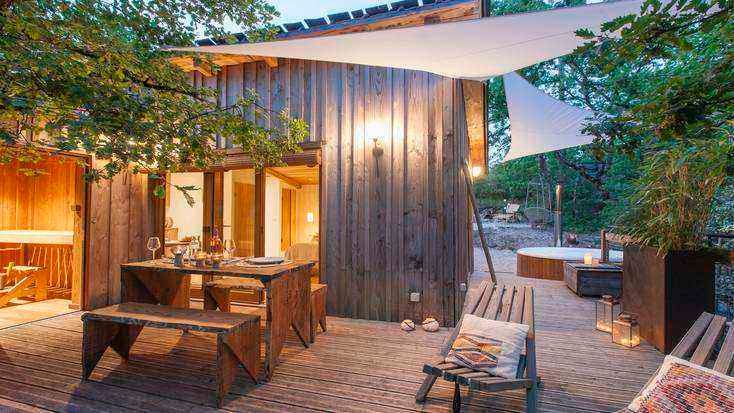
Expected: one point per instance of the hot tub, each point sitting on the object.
(547, 262)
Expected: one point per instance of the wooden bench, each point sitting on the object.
(697, 346)
(118, 326)
(218, 293)
(494, 302)
(318, 308)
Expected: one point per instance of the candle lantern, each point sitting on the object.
(607, 310)
(626, 330)
(588, 258)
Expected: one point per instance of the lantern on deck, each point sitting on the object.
(607, 310)
(626, 330)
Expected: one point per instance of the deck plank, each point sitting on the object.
(357, 366)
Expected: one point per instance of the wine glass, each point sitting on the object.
(193, 248)
(230, 246)
(154, 243)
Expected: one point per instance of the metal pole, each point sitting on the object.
(558, 224)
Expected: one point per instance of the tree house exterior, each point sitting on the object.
(394, 223)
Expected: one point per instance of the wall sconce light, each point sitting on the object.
(476, 171)
(376, 130)
(309, 217)
(377, 152)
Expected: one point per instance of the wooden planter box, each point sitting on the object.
(593, 280)
(667, 292)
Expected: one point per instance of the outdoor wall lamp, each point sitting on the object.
(309, 217)
(476, 171)
(377, 152)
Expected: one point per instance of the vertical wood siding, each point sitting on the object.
(119, 224)
(391, 224)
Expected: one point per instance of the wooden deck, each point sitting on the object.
(581, 370)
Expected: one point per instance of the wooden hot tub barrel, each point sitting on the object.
(547, 263)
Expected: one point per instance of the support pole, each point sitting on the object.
(558, 223)
(480, 228)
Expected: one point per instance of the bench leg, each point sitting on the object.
(215, 297)
(456, 406)
(125, 338)
(41, 284)
(531, 396)
(98, 335)
(426, 386)
(312, 324)
(240, 347)
(322, 323)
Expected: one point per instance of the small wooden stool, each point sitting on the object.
(217, 293)
(318, 308)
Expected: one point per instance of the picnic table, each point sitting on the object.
(287, 289)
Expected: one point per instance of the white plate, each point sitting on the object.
(265, 260)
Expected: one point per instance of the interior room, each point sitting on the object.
(289, 211)
(292, 212)
(41, 238)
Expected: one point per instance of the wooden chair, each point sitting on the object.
(118, 326)
(23, 281)
(318, 308)
(218, 293)
(510, 214)
(9, 256)
(494, 302)
(697, 346)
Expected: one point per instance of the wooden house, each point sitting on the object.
(378, 186)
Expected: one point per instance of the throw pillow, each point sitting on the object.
(681, 386)
(489, 345)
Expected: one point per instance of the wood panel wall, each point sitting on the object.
(41, 202)
(392, 222)
(121, 218)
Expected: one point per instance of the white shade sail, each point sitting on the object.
(473, 49)
(540, 123)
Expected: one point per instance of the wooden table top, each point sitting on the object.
(263, 273)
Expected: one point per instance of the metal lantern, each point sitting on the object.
(626, 331)
(607, 310)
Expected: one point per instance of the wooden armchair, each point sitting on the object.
(697, 346)
(495, 302)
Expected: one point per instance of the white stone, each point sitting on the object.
(430, 324)
(407, 325)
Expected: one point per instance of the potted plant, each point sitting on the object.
(667, 77)
(668, 267)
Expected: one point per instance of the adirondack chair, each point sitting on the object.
(697, 346)
(495, 302)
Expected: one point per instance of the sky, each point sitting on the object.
(296, 10)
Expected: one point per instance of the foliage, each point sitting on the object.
(671, 201)
(667, 78)
(93, 75)
(683, 122)
(722, 215)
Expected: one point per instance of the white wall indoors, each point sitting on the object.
(272, 217)
(188, 219)
(307, 200)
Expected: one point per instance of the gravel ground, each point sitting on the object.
(509, 236)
